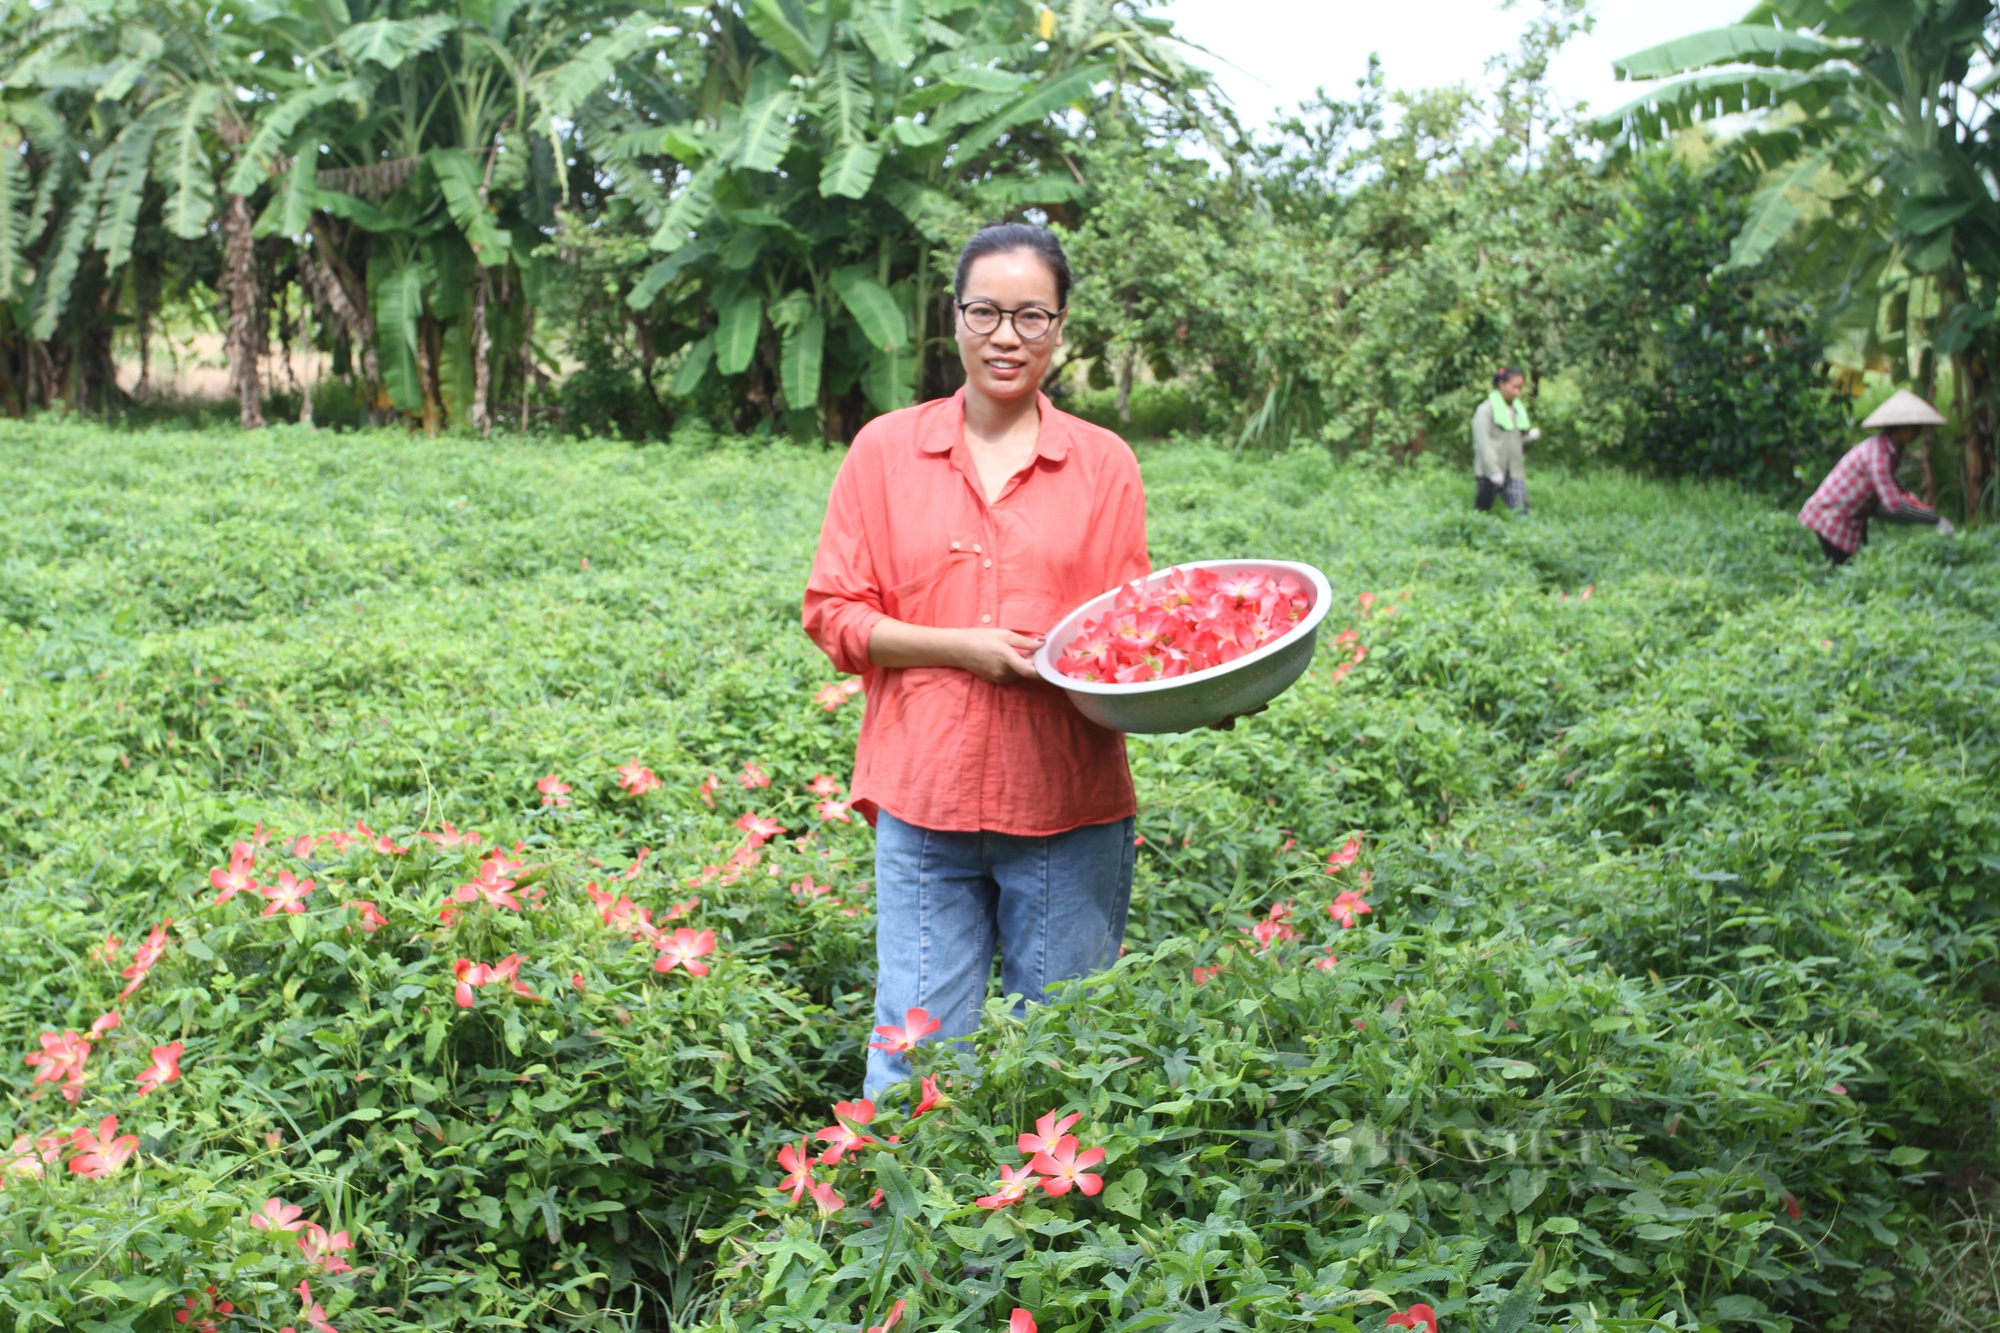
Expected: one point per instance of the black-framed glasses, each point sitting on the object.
(1030, 321)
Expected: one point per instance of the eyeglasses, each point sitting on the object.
(1030, 321)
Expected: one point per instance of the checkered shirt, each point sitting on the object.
(1860, 481)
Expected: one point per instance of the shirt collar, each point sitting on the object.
(947, 428)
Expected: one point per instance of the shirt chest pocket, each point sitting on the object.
(945, 594)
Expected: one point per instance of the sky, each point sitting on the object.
(1272, 54)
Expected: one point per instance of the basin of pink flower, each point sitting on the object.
(1192, 620)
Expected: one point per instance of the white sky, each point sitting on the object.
(1273, 53)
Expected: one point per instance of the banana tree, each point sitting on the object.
(833, 153)
(1873, 134)
(112, 119)
(415, 159)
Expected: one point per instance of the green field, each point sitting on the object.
(1682, 850)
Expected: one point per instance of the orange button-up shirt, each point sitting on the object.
(909, 535)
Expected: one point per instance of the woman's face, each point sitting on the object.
(1002, 364)
(1510, 388)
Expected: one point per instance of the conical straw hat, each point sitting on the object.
(1903, 409)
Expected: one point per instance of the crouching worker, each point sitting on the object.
(1864, 480)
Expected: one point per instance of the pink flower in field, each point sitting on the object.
(1325, 962)
(1416, 1317)
(1204, 975)
(823, 786)
(798, 1161)
(753, 777)
(1360, 653)
(680, 909)
(61, 1060)
(1588, 589)
(30, 1156)
(931, 1099)
(302, 846)
(637, 779)
(829, 697)
(489, 886)
(842, 1136)
(613, 908)
(707, 790)
(1340, 860)
(287, 895)
(471, 974)
(277, 1215)
(165, 1069)
(103, 1154)
(144, 957)
(638, 863)
(1368, 600)
(235, 877)
(917, 1024)
(323, 1251)
(1276, 928)
(1015, 1182)
(447, 836)
(311, 1311)
(832, 810)
(805, 890)
(107, 952)
(1049, 1131)
(339, 839)
(1347, 907)
(1063, 1167)
(104, 1024)
(1021, 1322)
(825, 1199)
(372, 919)
(895, 1313)
(1345, 637)
(381, 842)
(554, 790)
(759, 828)
(685, 948)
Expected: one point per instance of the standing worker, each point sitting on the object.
(957, 534)
(1866, 477)
(1500, 430)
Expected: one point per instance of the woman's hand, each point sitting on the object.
(1534, 435)
(998, 655)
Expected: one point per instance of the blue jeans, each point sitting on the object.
(1054, 906)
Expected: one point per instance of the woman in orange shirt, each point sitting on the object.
(957, 533)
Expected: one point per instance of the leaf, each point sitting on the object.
(897, 1191)
(890, 380)
(655, 279)
(458, 176)
(53, 283)
(14, 195)
(736, 333)
(181, 160)
(124, 192)
(873, 308)
(843, 102)
(1127, 1194)
(389, 42)
(1673, 107)
(1038, 102)
(766, 132)
(561, 90)
(889, 29)
(694, 367)
(986, 79)
(276, 124)
(850, 171)
(694, 205)
(767, 19)
(1739, 44)
(800, 361)
(291, 207)
(1772, 213)
(1513, 1312)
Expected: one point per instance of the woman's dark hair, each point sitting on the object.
(1006, 237)
(1506, 373)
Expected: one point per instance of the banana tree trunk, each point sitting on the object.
(482, 350)
(1975, 452)
(239, 280)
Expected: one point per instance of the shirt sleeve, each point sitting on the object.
(1485, 457)
(843, 594)
(1896, 502)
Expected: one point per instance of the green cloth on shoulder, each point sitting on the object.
(1509, 416)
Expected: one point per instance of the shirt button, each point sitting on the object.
(954, 546)
(975, 548)
(986, 564)
(986, 620)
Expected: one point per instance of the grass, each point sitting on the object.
(1745, 792)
